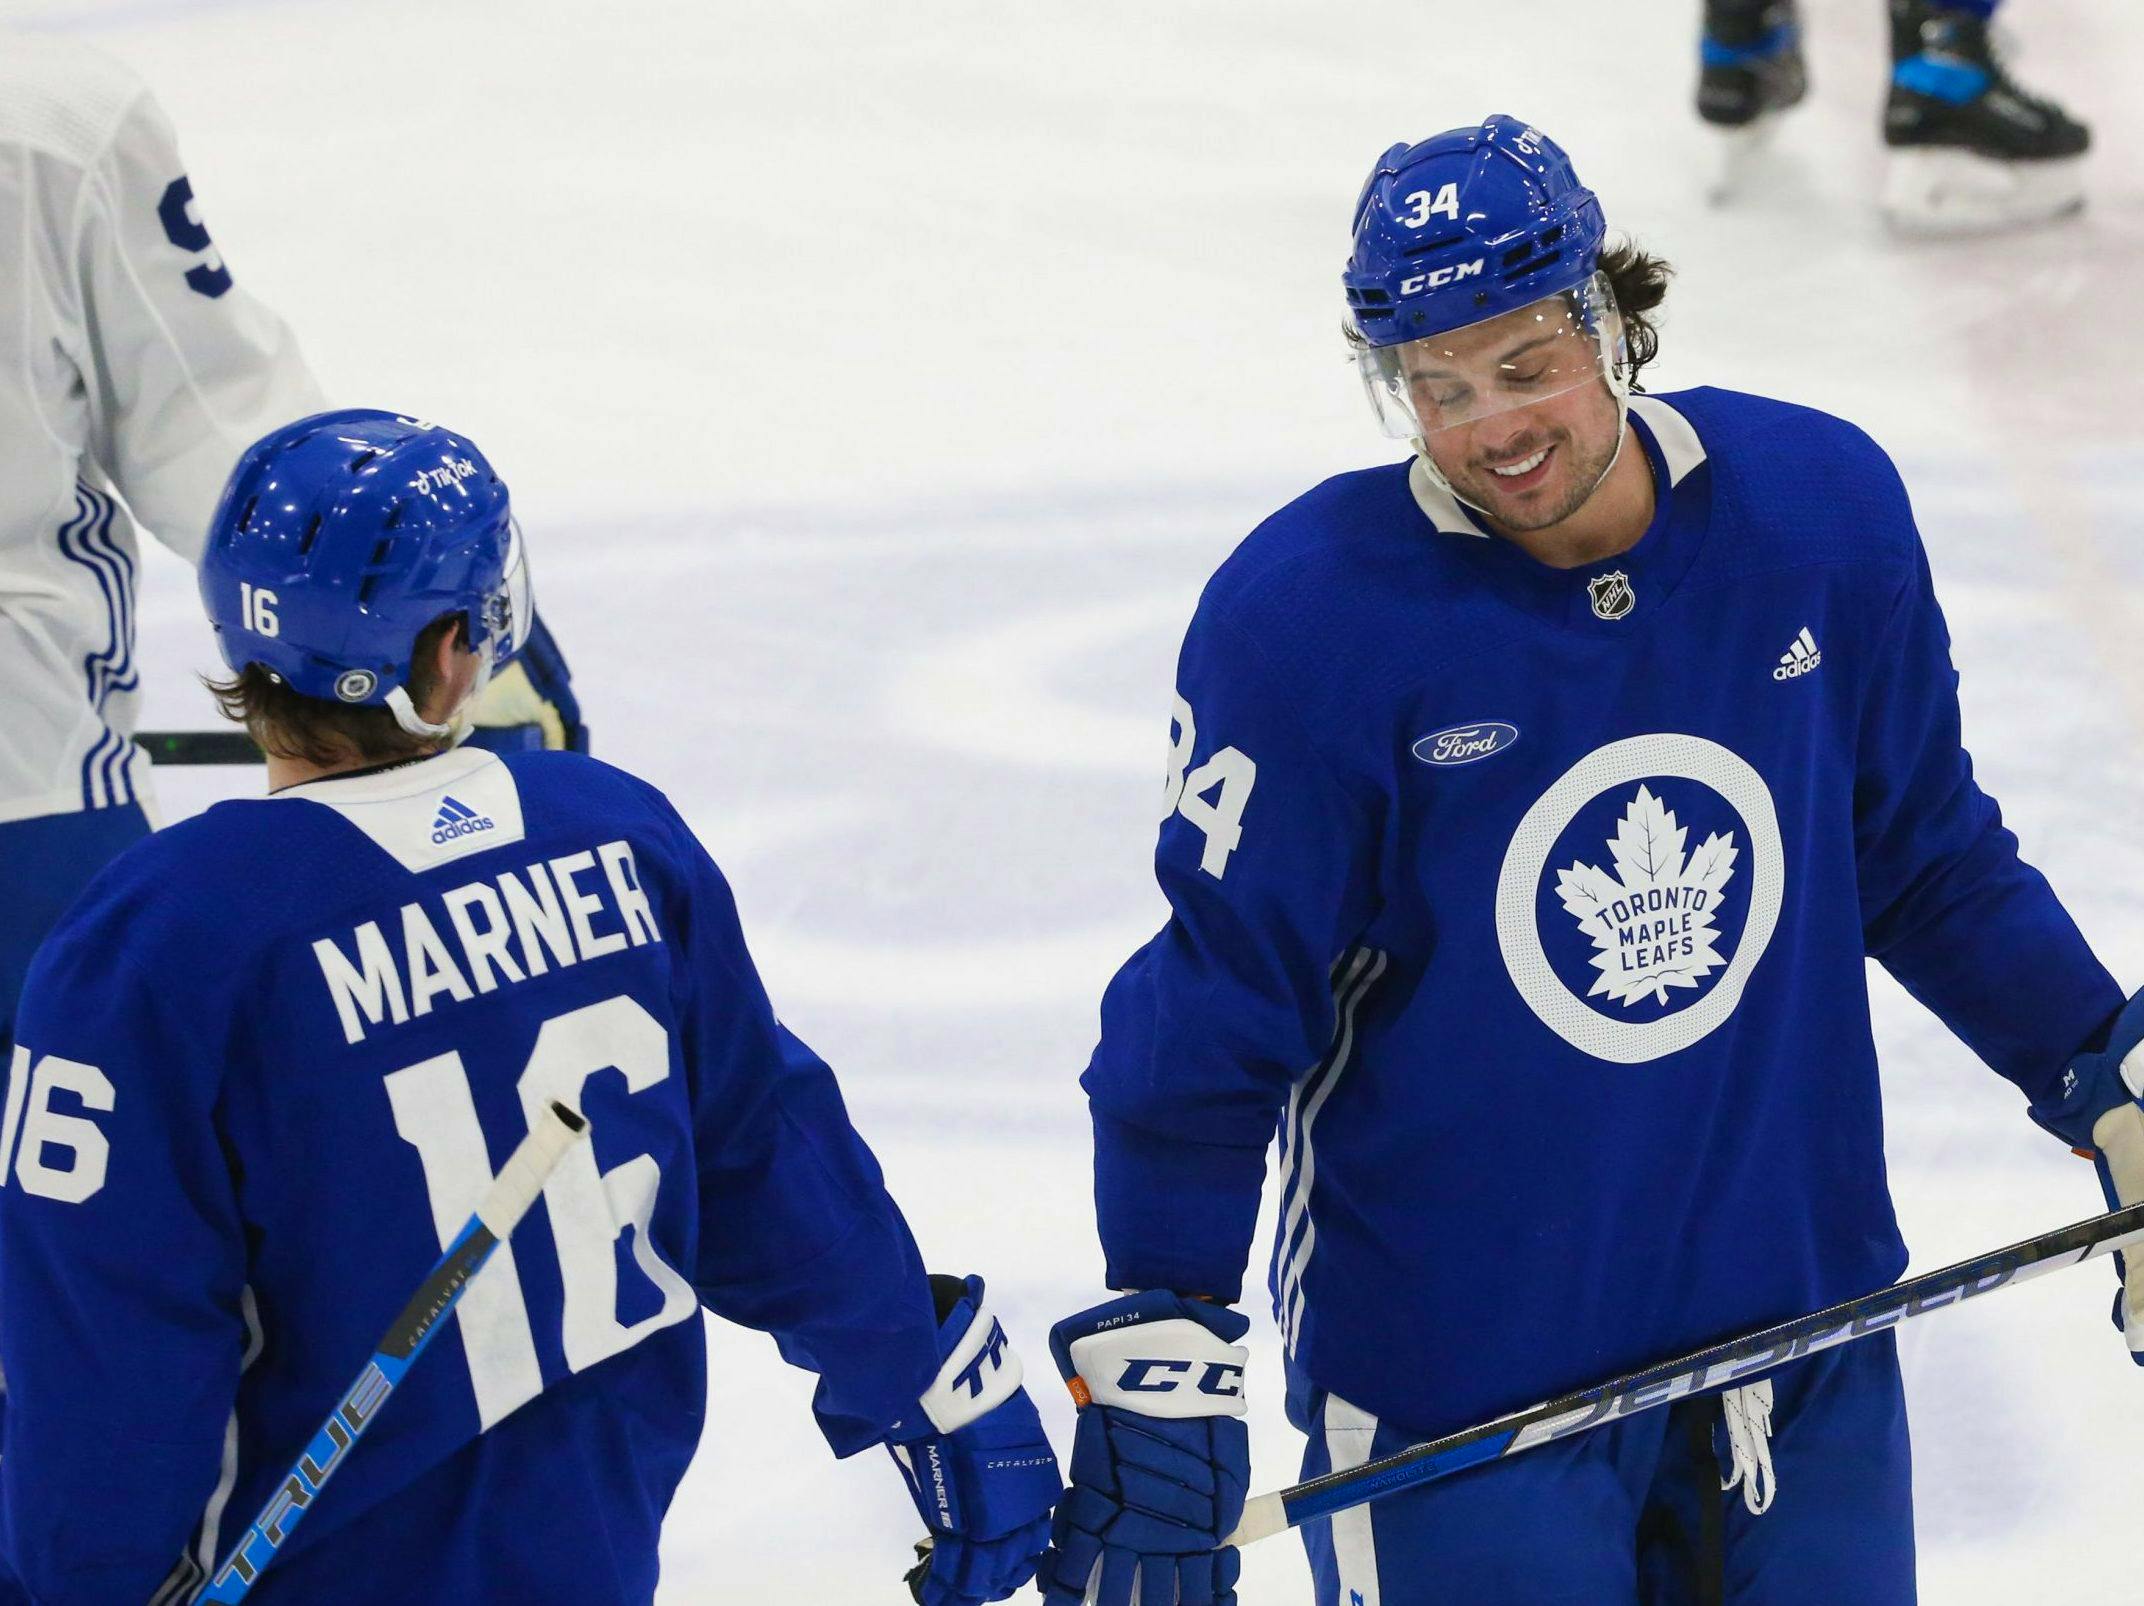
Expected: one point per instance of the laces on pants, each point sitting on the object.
(1749, 1437)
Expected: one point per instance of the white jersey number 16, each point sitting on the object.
(436, 1115)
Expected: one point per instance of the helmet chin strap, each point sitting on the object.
(404, 709)
(406, 716)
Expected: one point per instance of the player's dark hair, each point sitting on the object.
(1640, 282)
(287, 724)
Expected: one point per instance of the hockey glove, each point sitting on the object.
(2100, 1116)
(1162, 1458)
(976, 1460)
(530, 703)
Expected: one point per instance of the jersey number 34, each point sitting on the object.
(1229, 775)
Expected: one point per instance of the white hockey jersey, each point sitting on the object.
(129, 360)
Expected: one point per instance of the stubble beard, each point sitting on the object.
(1581, 477)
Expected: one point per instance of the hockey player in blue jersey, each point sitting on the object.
(271, 1058)
(1531, 808)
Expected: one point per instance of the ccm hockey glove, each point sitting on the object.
(977, 1462)
(1162, 1458)
(2100, 1116)
(530, 703)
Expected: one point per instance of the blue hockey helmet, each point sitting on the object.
(340, 537)
(1469, 226)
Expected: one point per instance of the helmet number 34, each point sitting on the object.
(1229, 775)
(1422, 205)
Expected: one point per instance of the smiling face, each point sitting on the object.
(1516, 412)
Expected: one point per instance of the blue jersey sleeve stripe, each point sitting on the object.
(1288, 1309)
(86, 541)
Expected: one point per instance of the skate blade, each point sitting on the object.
(1737, 154)
(1939, 193)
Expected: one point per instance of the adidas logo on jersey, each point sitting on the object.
(1799, 658)
(456, 818)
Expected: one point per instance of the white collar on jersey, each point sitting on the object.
(1678, 443)
(387, 782)
(429, 813)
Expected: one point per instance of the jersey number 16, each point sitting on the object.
(436, 1115)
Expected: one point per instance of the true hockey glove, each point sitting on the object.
(2100, 1116)
(530, 703)
(976, 1460)
(1162, 1458)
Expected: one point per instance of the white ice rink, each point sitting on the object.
(878, 382)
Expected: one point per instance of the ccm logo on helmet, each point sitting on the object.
(1442, 276)
(1218, 1378)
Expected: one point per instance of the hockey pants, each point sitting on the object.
(1633, 1514)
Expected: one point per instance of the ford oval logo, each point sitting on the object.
(1464, 744)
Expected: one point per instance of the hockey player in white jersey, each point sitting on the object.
(134, 368)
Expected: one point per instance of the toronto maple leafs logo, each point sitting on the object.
(1667, 937)
(1651, 921)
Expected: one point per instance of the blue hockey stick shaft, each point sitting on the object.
(497, 1214)
(1738, 1361)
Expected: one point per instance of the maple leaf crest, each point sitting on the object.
(1652, 921)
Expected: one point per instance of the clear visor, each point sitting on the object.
(1515, 359)
(510, 610)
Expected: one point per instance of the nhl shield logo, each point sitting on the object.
(1611, 594)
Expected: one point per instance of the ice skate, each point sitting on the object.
(1751, 72)
(1970, 151)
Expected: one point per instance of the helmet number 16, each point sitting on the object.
(256, 609)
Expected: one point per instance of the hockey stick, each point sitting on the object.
(1734, 1362)
(504, 1203)
(198, 747)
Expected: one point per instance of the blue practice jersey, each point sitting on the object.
(1530, 906)
(264, 1070)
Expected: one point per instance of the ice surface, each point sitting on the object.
(878, 383)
